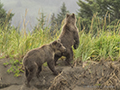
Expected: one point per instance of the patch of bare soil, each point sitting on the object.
(103, 75)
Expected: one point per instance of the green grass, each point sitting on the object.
(104, 46)
(16, 44)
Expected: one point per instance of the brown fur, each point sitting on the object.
(69, 37)
(33, 60)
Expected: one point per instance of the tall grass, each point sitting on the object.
(14, 44)
(104, 44)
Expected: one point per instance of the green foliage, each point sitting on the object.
(61, 15)
(57, 22)
(6, 64)
(104, 44)
(5, 17)
(54, 26)
(15, 67)
(42, 22)
(108, 9)
(45, 64)
(15, 44)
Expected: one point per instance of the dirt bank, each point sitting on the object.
(103, 75)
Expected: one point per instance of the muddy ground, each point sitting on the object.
(103, 75)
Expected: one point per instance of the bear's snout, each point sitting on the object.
(65, 49)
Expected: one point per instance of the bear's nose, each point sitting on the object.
(65, 49)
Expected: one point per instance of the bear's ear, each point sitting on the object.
(73, 15)
(54, 43)
(67, 15)
(59, 40)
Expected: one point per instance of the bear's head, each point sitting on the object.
(58, 46)
(71, 19)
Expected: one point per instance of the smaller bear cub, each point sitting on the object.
(33, 60)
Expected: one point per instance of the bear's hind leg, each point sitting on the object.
(29, 77)
(69, 57)
(26, 73)
(38, 71)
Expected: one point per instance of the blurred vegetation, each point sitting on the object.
(5, 17)
(60, 17)
(99, 39)
(105, 9)
(41, 21)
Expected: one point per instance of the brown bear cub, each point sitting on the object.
(69, 37)
(33, 60)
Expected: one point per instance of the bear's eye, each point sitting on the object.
(59, 45)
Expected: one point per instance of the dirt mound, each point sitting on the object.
(67, 80)
(103, 75)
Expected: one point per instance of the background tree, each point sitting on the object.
(61, 15)
(5, 17)
(41, 20)
(103, 8)
(53, 24)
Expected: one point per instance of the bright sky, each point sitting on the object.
(18, 7)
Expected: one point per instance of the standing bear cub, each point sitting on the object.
(69, 37)
(33, 60)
